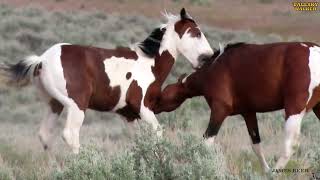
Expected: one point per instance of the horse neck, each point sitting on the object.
(194, 84)
(162, 66)
(167, 55)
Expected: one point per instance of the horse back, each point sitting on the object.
(257, 77)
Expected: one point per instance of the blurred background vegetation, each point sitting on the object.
(110, 147)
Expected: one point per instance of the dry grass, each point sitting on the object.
(262, 16)
(26, 31)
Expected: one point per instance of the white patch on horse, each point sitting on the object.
(314, 67)
(170, 37)
(292, 132)
(117, 68)
(303, 44)
(148, 116)
(52, 76)
(73, 124)
(190, 47)
(47, 127)
(258, 151)
(210, 141)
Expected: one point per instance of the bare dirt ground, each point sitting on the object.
(277, 17)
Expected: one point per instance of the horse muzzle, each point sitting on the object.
(203, 59)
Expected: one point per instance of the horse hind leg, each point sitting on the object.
(49, 123)
(75, 117)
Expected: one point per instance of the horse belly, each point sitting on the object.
(105, 98)
(261, 92)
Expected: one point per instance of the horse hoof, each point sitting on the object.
(67, 137)
(75, 150)
(45, 147)
(44, 144)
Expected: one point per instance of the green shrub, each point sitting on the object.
(150, 158)
(249, 173)
(200, 2)
(89, 164)
(5, 173)
(314, 156)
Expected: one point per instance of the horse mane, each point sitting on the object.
(151, 45)
(226, 48)
(222, 50)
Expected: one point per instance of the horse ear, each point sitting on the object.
(184, 14)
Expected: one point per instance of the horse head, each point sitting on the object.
(183, 35)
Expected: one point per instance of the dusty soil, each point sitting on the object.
(277, 17)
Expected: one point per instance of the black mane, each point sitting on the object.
(151, 45)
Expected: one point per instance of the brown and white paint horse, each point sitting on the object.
(248, 78)
(123, 80)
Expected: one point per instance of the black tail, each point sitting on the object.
(20, 74)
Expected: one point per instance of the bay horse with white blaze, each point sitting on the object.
(248, 78)
(123, 80)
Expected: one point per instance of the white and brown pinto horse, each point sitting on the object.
(122, 80)
(248, 78)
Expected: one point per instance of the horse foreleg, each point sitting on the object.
(292, 132)
(253, 130)
(148, 116)
(49, 122)
(73, 124)
(218, 113)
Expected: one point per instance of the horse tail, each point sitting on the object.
(21, 73)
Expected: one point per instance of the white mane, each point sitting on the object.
(171, 18)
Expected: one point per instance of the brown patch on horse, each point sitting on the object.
(133, 99)
(297, 79)
(125, 52)
(90, 88)
(127, 112)
(128, 75)
(56, 106)
(187, 24)
(37, 69)
(162, 68)
(194, 32)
